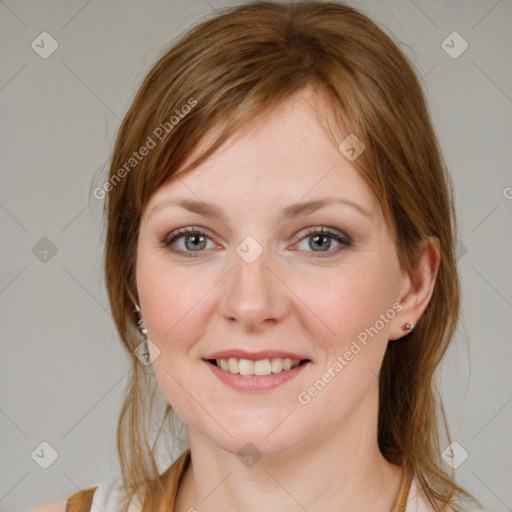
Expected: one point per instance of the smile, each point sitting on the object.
(259, 367)
(245, 370)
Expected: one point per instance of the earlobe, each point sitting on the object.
(417, 289)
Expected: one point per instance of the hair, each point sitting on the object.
(223, 73)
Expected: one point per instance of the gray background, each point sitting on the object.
(62, 367)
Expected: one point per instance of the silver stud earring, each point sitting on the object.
(408, 327)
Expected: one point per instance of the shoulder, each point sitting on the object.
(108, 494)
(54, 505)
(80, 501)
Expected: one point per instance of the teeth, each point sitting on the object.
(233, 365)
(276, 365)
(245, 367)
(261, 367)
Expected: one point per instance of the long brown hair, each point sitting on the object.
(228, 70)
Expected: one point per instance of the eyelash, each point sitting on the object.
(344, 240)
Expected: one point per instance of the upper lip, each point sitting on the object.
(255, 356)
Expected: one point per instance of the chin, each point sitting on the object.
(266, 433)
(257, 444)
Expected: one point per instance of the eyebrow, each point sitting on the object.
(294, 210)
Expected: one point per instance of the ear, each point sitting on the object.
(417, 288)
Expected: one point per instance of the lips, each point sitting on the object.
(256, 363)
(263, 369)
(249, 381)
(260, 367)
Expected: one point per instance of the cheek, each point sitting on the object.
(350, 302)
(172, 301)
(356, 308)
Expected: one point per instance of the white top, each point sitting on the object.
(417, 502)
(107, 498)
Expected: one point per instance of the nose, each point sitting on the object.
(254, 295)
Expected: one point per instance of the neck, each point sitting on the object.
(343, 470)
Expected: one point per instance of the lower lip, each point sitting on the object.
(256, 382)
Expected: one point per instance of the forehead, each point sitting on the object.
(285, 155)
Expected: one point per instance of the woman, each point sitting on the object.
(279, 257)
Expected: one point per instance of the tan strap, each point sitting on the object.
(171, 480)
(80, 501)
(403, 494)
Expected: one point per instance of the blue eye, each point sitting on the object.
(195, 240)
(322, 239)
(196, 237)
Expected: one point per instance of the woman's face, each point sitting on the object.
(246, 288)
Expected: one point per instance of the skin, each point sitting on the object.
(318, 456)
